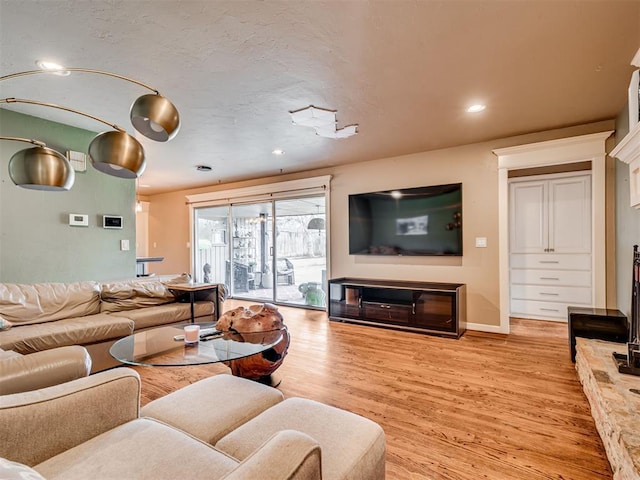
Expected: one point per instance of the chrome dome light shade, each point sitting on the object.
(41, 168)
(118, 154)
(155, 117)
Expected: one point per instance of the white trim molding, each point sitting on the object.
(554, 152)
(481, 327)
(257, 192)
(628, 151)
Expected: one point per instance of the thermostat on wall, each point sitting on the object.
(111, 221)
(78, 220)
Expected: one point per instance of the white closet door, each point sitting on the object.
(570, 215)
(528, 223)
(550, 246)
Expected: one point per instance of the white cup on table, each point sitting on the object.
(191, 334)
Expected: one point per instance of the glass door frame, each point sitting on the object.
(250, 246)
(287, 190)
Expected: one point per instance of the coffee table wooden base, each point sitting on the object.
(261, 366)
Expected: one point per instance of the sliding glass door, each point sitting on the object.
(251, 248)
(301, 259)
(211, 244)
(259, 259)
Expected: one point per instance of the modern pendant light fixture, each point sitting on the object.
(40, 168)
(118, 154)
(114, 152)
(153, 115)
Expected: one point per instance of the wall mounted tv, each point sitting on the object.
(408, 221)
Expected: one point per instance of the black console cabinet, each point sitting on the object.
(600, 323)
(435, 308)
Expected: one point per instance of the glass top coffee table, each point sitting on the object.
(157, 347)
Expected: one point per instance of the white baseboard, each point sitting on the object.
(481, 327)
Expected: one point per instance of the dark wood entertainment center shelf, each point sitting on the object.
(434, 308)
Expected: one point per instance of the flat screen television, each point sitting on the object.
(407, 221)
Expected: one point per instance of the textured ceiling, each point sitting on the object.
(403, 70)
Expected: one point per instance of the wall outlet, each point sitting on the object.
(124, 245)
(481, 242)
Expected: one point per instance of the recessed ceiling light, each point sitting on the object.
(54, 68)
(278, 151)
(476, 108)
(203, 168)
(396, 194)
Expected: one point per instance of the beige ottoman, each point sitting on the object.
(213, 407)
(352, 447)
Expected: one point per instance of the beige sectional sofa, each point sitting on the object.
(22, 373)
(222, 427)
(49, 315)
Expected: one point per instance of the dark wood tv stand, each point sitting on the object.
(434, 308)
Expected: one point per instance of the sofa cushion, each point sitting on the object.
(165, 314)
(143, 449)
(71, 331)
(223, 403)
(352, 446)
(122, 296)
(44, 302)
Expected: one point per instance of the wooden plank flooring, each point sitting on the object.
(484, 406)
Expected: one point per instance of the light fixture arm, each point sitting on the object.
(52, 105)
(85, 70)
(37, 143)
(151, 114)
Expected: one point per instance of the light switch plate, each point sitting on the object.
(481, 242)
(124, 245)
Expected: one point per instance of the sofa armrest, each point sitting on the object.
(287, 455)
(21, 373)
(37, 425)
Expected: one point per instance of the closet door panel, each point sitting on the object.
(528, 217)
(570, 215)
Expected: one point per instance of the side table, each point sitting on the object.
(599, 323)
(192, 288)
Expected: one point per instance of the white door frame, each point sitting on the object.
(555, 152)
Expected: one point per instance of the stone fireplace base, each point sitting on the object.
(615, 404)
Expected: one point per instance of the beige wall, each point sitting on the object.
(473, 165)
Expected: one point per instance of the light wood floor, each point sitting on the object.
(485, 406)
